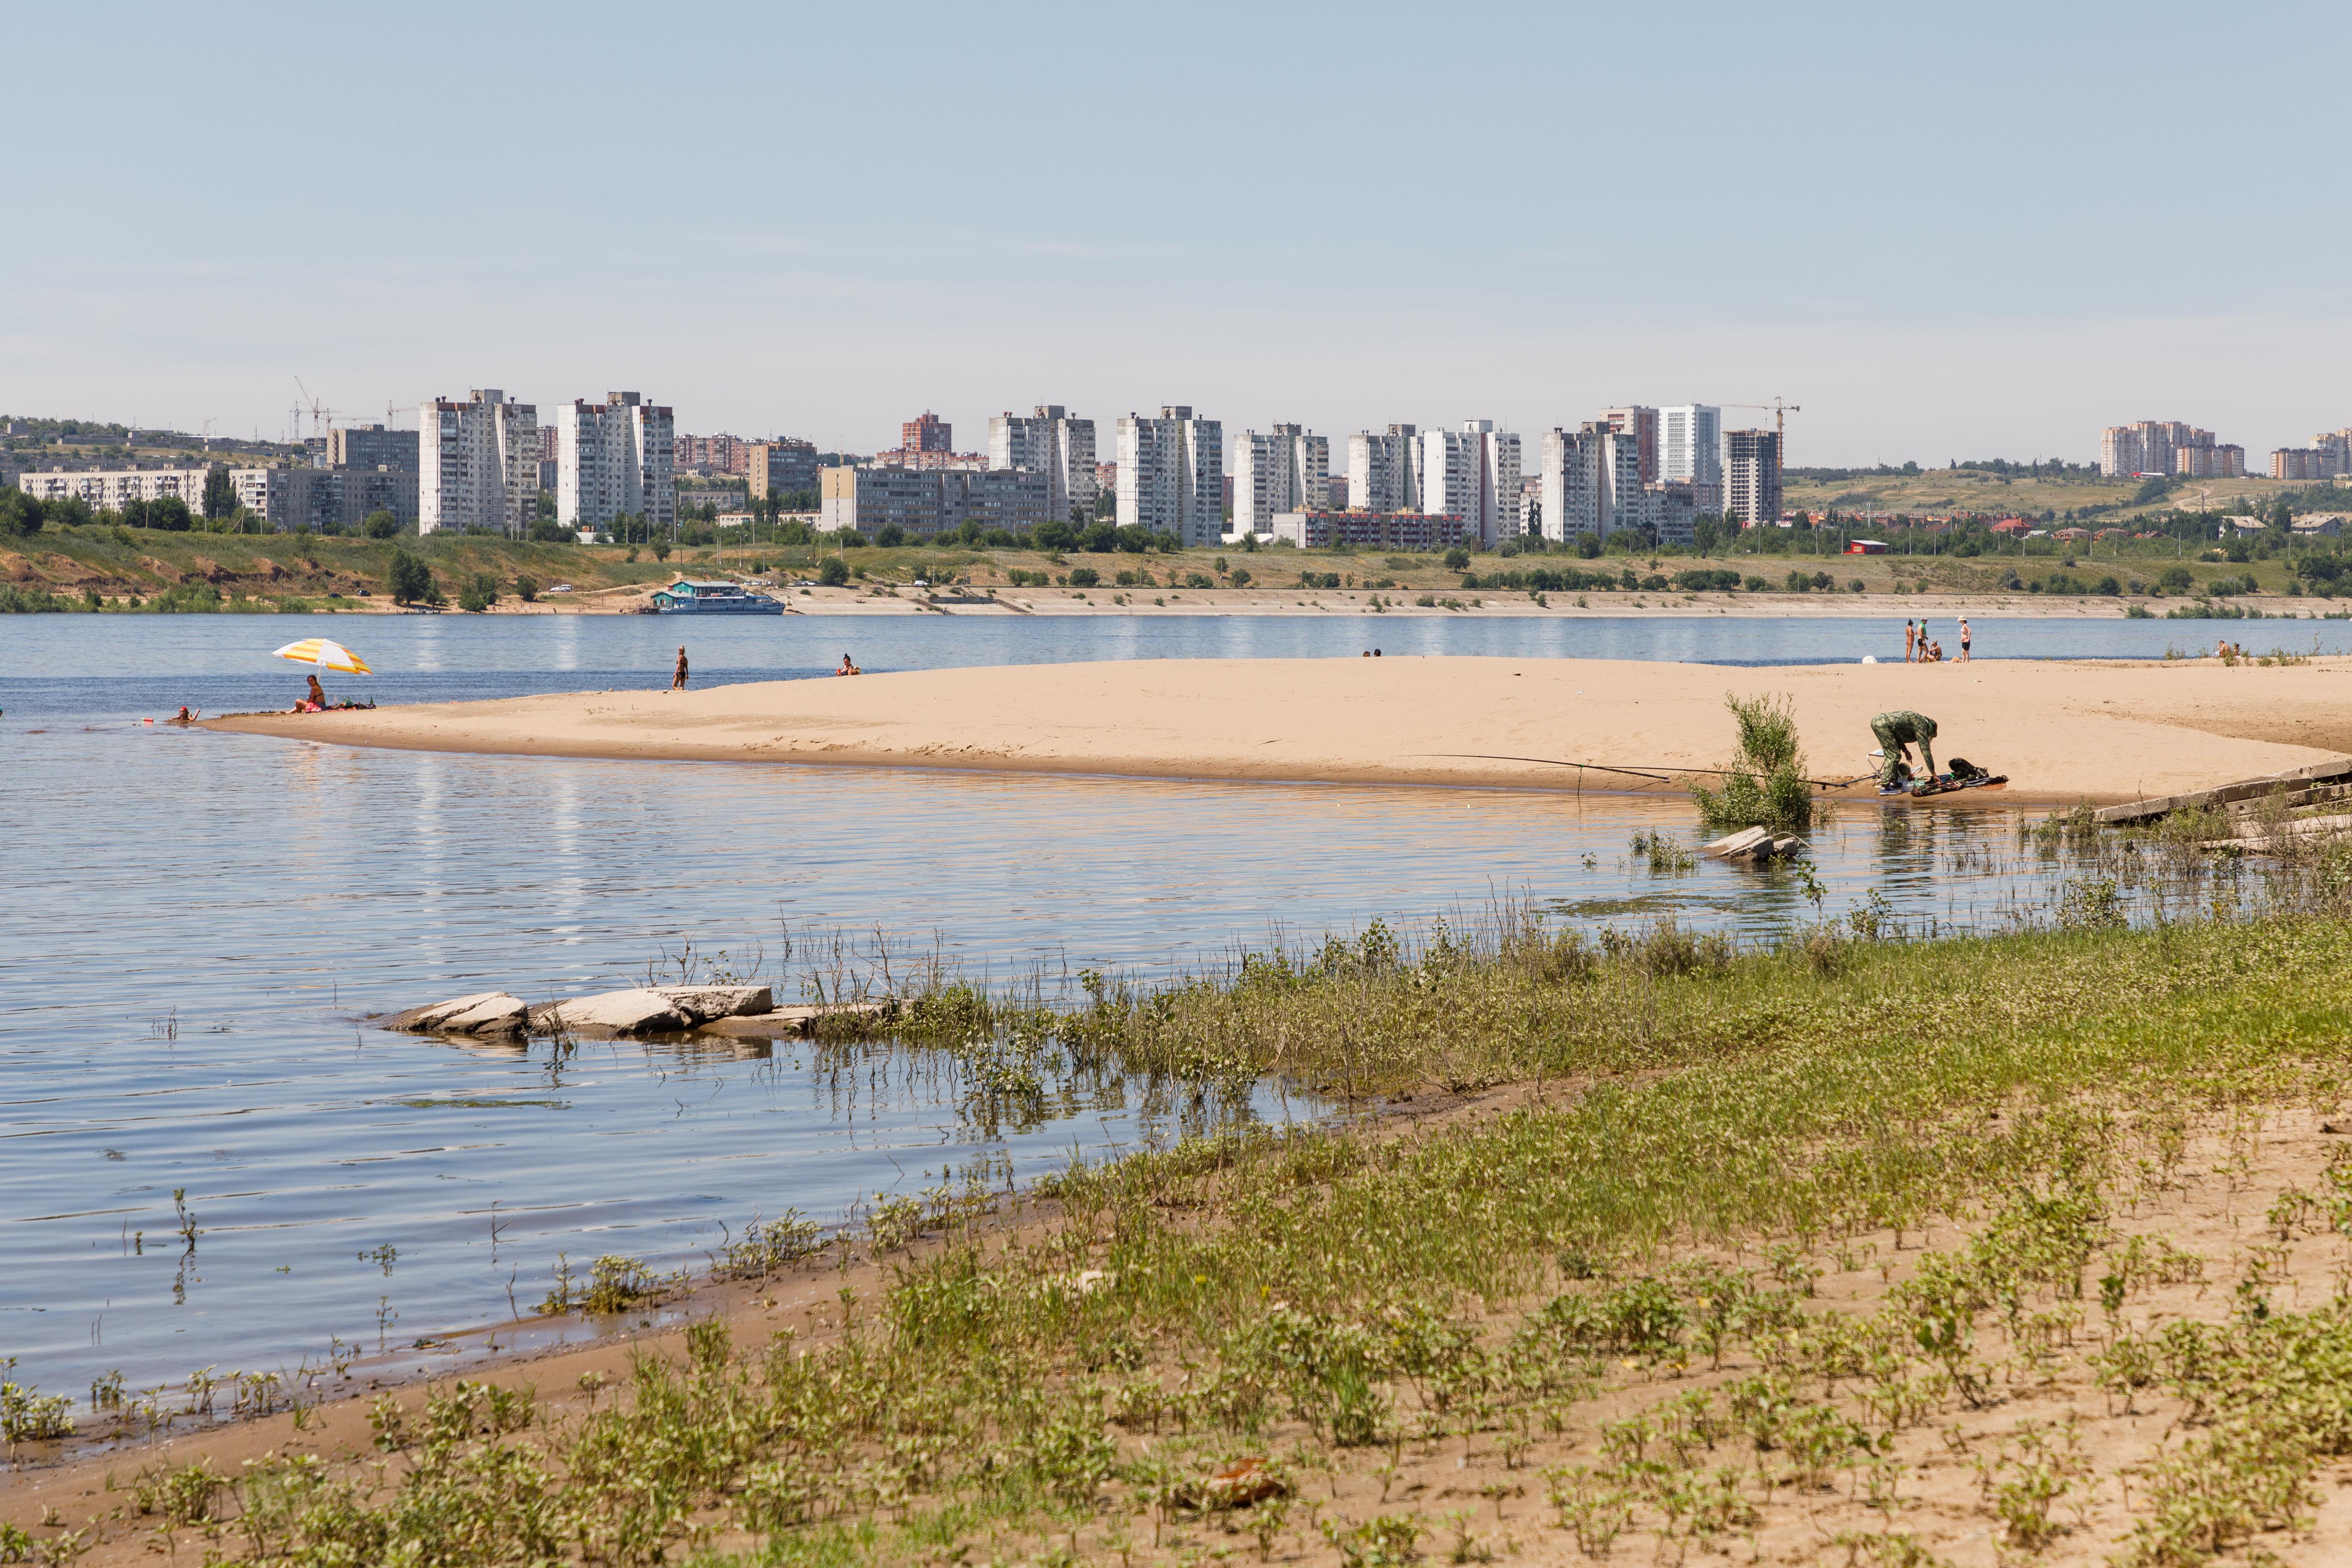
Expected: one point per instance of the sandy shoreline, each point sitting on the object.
(2063, 732)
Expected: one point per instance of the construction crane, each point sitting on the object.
(321, 416)
(1779, 411)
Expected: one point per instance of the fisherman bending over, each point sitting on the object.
(1896, 732)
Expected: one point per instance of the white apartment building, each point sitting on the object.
(1171, 475)
(1472, 474)
(107, 489)
(2147, 447)
(478, 463)
(1384, 471)
(1284, 470)
(614, 459)
(1593, 482)
(1051, 443)
(1690, 452)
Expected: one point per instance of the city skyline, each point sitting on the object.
(1929, 285)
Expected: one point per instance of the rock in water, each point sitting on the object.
(703, 1003)
(619, 1013)
(484, 1012)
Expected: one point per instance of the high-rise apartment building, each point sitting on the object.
(1690, 452)
(1051, 443)
(1384, 471)
(478, 463)
(926, 433)
(2209, 462)
(371, 446)
(1752, 483)
(2147, 447)
(1472, 474)
(1593, 482)
(1171, 475)
(781, 468)
(1641, 423)
(616, 458)
(1284, 470)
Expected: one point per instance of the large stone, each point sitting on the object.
(442, 1018)
(703, 1003)
(619, 1013)
(1745, 844)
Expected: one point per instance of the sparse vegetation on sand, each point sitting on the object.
(2025, 1248)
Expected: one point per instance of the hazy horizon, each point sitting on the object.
(1975, 235)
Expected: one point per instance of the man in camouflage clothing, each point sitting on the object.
(1896, 731)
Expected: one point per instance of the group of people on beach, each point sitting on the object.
(1919, 648)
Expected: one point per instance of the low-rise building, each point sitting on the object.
(1376, 530)
(926, 502)
(2319, 524)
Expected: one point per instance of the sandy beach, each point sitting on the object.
(2063, 732)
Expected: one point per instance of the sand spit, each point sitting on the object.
(2062, 731)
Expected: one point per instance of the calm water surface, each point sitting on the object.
(195, 923)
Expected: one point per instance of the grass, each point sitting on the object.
(1611, 1291)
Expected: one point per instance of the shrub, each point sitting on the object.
(527, 589)
(833, 572)
(661, 550)
(1765, 787)
(380, 526)
(891, 535)
(1759, 585)
(1085, 576)
(1699, 580)
(480, 593)
(1456, 559)
(1241, 577)
(2177, 579)
(409, 578)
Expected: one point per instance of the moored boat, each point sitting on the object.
(688, 597)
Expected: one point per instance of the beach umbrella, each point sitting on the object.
(327, 653)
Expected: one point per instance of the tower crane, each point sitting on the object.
(1779, 411)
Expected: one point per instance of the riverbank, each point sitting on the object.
(1730, 1251)
(2063, 732)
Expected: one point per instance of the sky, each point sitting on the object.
(1943, 232)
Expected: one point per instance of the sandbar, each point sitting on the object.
(2063, 731)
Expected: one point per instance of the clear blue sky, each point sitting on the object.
(1947, 231)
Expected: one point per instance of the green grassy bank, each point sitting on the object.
(1589, 1312)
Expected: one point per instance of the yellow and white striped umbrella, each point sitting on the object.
(327, 653)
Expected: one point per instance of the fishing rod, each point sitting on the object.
(1635, 772)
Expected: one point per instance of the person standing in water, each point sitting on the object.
(677, 681)
(1964, 639)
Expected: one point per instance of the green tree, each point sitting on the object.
(410, 578)
(480, 593)
(833, 573)
(220, 493)
(661, 550)
(381, 525)
(527, 589)
(1457, 559)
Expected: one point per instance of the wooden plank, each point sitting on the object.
(2221, 795)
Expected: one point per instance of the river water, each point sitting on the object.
(197, 922)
